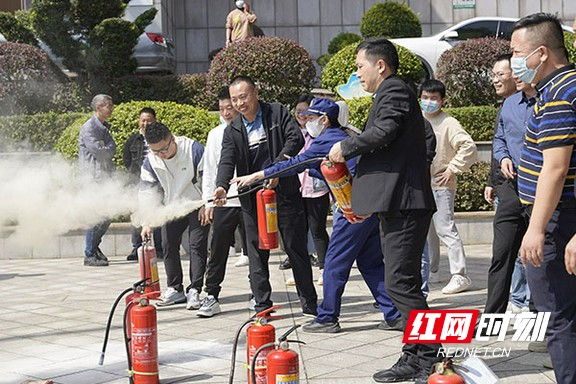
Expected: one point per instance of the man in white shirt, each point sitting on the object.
(224, 219)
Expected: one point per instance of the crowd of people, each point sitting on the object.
(404, 164)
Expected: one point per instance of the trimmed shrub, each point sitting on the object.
(183, 120)
(342, 40)
(28, 79)
(359, 109)
(194, 88)
(470, 189)
(37, 132)
(342, 65)
(569, 44)
(282, 68)
(390, 20)
(322, 60)
(15, 31)
(466, 69)
(477, 121)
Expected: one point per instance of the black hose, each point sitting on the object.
(234, 348)
(110, 315)
(127, 340)
(253, 362)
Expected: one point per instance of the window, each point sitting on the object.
(477, 30)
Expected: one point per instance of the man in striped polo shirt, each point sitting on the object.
(546, 180)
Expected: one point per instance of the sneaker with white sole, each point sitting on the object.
(170, 297)
(457, 284)
(513, 308)
(242, 261)
(210, 307)
(193, 299)
(252, 304)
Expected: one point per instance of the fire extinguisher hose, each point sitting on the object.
(258, 184)
(234, 348)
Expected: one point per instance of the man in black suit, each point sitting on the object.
(265, 133)
(393, 179)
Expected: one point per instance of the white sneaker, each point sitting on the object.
(290, 282)
(320, 280)
(210, 307)
(457, 284)
(242, 261)
(193, 299)
(252, 304)
(434, 277)
(170, 297)
(513, 308)
(232, 252)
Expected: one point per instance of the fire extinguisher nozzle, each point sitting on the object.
(101, 360)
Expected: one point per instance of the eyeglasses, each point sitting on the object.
(164, 150)
(499, 75)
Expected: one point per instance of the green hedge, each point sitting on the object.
(182, 119)
(390, 19)
(470, 190)
(37, 132)
(477, 121)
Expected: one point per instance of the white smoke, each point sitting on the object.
(44, 197)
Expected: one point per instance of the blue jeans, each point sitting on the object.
(520, 296)
(94, 237)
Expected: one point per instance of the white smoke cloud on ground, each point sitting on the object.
(43, 197)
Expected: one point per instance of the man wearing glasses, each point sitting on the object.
(172, 171)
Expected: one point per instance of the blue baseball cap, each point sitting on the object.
(320, 106)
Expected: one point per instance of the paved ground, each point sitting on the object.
(54, 313)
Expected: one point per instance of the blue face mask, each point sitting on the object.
(429, 106)
(520, 69)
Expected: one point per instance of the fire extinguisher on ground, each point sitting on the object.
(140, 334)
(259, 333)
(148, 261)
(267, 212)
(282, 364)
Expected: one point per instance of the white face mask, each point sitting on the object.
(240, 4)
(314, 128)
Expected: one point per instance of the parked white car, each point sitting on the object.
(429, 49)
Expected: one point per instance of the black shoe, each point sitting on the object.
(285, 264)
(315, 327)
(398, 324)
(309, 312)
(405, 369)
(376, 305)
(94, 261)
(133, 256)
(314, 261)
(100, 255)
(422, 377)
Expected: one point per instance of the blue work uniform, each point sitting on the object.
(348, 243)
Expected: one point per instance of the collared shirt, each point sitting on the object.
(552, 125)
(512, 122)
(255, 124)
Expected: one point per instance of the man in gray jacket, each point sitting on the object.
(96, 148)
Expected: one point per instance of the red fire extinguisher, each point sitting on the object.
(339, 180)
(267, 212)
(149, 270)
(444, 373)
(144, 342)
(259, 333)
(282, 364)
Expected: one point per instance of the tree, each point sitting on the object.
(90, 35)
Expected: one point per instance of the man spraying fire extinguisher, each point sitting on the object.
(353, 238)
(265, 133)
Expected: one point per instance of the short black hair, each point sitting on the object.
(503, 57)
(224, 93)
(380, 48)
(147, 110)
(242, 79)
(303, 98)
(544, 29)
(433, 86)
(156, 132)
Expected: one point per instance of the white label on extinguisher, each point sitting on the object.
(260, 366)
(143, 349)
(287, 379)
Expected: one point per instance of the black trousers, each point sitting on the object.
(316, 210)
(198, 246)
(226, 220)
(293, 230)
(510, 224)
(403, 235)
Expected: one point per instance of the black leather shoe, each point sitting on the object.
(285, 264)
(133, 256)
(100, 255)
(398, 324)
(405, 369)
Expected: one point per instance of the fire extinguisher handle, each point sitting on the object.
(266, 313)
(284, 337)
